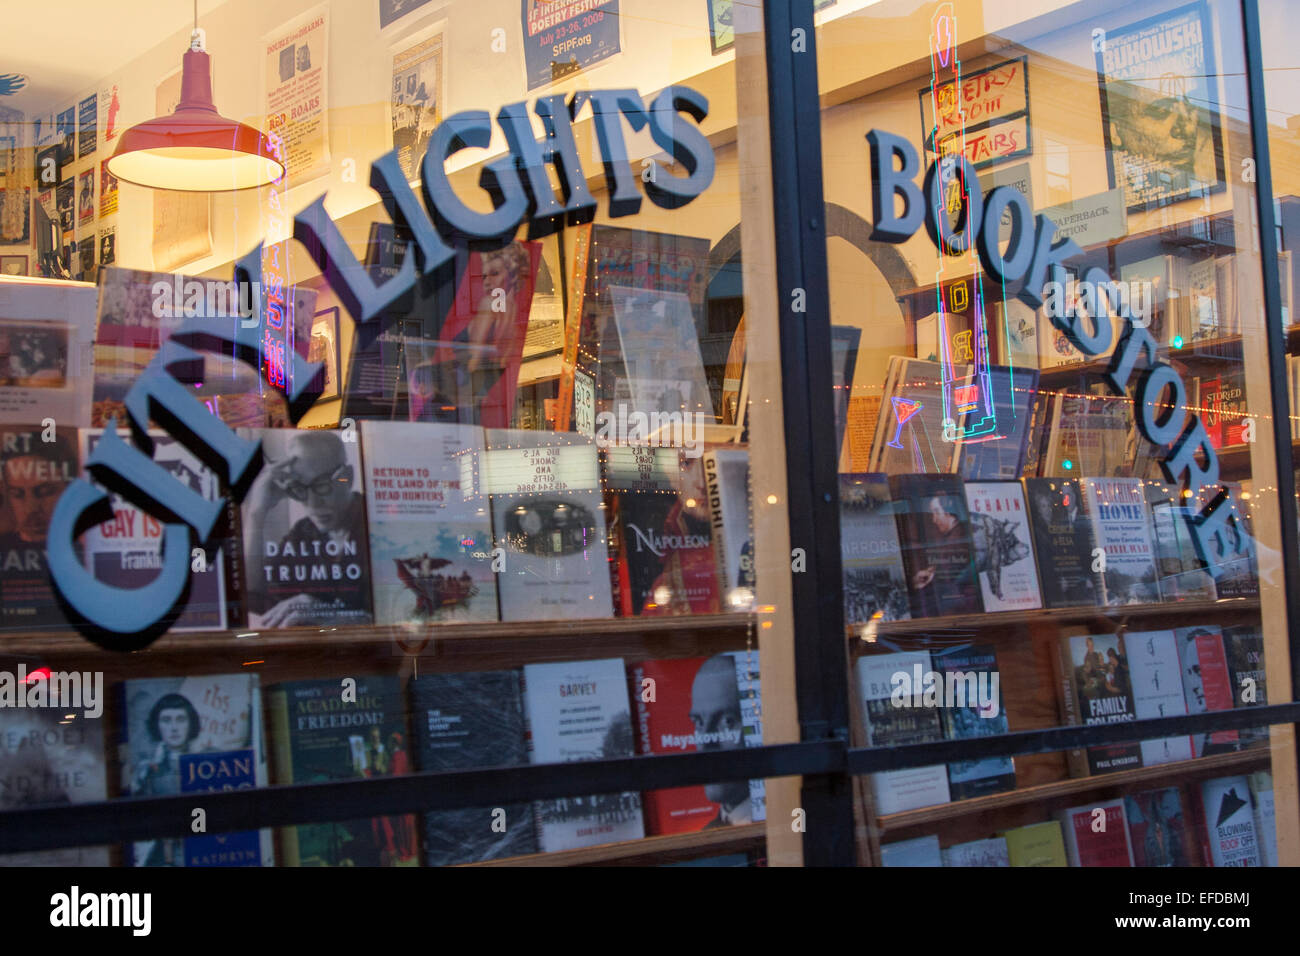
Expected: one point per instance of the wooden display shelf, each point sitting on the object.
(1000, 620)
(1218, 764)
(650, 850)
(326, 638)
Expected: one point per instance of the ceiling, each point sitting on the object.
(66, 48)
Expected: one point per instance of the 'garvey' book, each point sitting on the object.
(1004, 553)
(578, 710)
(1063, 542)
(342, 730)
(938, 555)
(975, 671)
(461, 722)
(875, 587)
(196, 735)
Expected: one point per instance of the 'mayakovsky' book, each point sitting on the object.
(1229, 822)
(578, 710)
(1157, 828)
(972, 668)
(303, 524)
(35, 472)
(1004, 551)
(46, 760)
(890, 726)
(342, 730)
(872, 560)
(1096, 834)
(548, 522)
(1096, 689)
(663, 538)
(690, 704)
(464, 721)
(1121, 527)
(1207, 684)
(196, 735)
(127, 551)
(430, 531)
(1063, 543)
(1156, 677)
(938, 555)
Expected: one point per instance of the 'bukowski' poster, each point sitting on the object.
(562, 37)
(1160, 109)
(295, 76)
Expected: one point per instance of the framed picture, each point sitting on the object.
(1159, 108)
(325, 348)
(13, 265)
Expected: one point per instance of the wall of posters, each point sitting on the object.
(86, 197)
(15, 214)
(295, 75)
(562, 37)
(107, 190)
(109, 105)
(1159, 108)
(416, 98)
(392, 10)
(994, 105)
(88, 121)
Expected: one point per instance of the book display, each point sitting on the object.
(432, 499)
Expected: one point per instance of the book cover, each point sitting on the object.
(973, 672)
(1038, 844)
(1096, 834)
(684, 705)
(1063, 543)
(1004, 552)
(1121, 526)
(726, 474)
(938, 554)
(195, 735)
(663, 539)
(911, 437)
(1103, 694)
(46, 760)
(126, 552)
(1261, 793)
(749, 684)
(1230, 822)
(922, 851)
(989, 852)
(430, 531)
(1207, 684)
(33, 474)
(549, 526)
(890, 726)
(303, 522)
(1239, 577)
(1181, 573)
(465, 721)
(1089, 436)
(875, 587)
(998, 452)
(1244, 647)
(1156, 676)
(578, 710)
(343, 730)
(1157, 828)
(1203, 300)
(47, 333)
(1165, 277)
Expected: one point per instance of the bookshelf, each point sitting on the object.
(649, 851)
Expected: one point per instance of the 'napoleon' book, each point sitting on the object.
(342, 730)
(463, 721)
(578, 710)
(196, 735)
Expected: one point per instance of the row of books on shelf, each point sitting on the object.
(1225, 821)
(399, 523)
(928, 545)
(911, 697)
(206, 733)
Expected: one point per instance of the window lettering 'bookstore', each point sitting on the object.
(455, 432)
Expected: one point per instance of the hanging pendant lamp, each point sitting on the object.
(195, 149)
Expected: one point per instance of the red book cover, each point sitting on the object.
(1216, 681)
(1212, 410)
(1092, 842)
(688, 707)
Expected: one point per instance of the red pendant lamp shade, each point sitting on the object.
(195, 149)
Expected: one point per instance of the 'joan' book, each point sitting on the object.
(1096, 689)
(196, 735)
(325, 730)
(463, 721)
(872, 561)
(578, 710)
(1004, 552)
(430, 532)
(938, 554)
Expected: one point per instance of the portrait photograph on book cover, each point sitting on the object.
(1160, 108)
